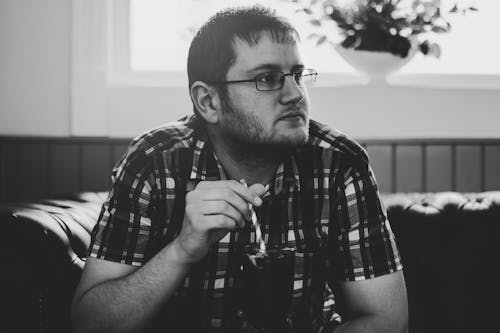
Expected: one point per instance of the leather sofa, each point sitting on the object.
(448, 242)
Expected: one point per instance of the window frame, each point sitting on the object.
(100, 63)
(119, 72)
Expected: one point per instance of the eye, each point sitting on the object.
(268, 78)
(297, 76)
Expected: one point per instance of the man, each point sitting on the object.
(164, 254)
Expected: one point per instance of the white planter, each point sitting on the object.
(376, 65)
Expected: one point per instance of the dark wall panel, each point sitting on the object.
(468, 168)
(409, 168)
(8, 186)
(438, 168)
(96, 166)
(381, 162)
(33, 169)
(118, 151)
(37, 167)
(492, 167)
(64, 168)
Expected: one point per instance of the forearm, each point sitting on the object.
(372, 324)
(130, 303)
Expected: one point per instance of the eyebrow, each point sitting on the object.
(272, 67)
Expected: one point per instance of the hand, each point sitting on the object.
(213, 209)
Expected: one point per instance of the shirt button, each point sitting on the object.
(240, 313)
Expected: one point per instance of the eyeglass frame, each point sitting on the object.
(313, 72)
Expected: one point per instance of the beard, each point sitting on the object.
(245, 130)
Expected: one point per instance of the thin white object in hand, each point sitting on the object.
(256, 224)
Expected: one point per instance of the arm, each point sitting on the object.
(368, 283)
(373, 305)
(113, 297)
(123, 298)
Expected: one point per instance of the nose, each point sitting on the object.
(291, 91)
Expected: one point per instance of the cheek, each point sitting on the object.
(256, 106)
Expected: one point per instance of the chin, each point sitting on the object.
(297, 139)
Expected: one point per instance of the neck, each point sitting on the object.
(254, 164)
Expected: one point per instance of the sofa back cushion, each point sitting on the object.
(448, 243)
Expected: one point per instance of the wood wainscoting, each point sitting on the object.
(432, 165)
(40, 167)
(33, 167)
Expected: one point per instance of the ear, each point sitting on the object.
(206, 100)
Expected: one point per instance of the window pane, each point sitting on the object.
(161, 31)
(470, 48)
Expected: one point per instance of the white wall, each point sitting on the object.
(362, 111)
(35, 93)
(382, 112)
(34, 67)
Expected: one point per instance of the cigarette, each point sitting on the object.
(255, 222)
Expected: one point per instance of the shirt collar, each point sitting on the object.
(287, 175)
(206, 166)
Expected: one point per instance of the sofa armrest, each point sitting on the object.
(44, 245)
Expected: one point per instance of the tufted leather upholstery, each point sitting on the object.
(42, 246)
(449, 245)
(448, 242)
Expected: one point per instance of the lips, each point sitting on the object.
(293, 114)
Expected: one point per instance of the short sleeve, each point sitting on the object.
(364, 243)
(124, 231)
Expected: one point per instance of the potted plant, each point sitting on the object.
(389, 27)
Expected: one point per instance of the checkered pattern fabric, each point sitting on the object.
(323, 202)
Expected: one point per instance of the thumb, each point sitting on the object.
(259, 189)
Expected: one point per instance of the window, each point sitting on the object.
(127, 61)
(160, 33)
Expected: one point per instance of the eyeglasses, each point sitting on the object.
(276, 79)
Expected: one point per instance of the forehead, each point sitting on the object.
(282, 55)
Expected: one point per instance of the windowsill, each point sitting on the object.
(448, 81)
(175, 79)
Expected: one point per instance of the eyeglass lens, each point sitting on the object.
(276, 80)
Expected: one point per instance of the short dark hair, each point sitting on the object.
(211, 52)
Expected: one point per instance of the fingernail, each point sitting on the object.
(257, 201)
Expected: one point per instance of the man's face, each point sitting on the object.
(269, 118)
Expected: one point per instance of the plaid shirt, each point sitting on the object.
(323, 202)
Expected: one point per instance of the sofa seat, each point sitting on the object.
(448, 242)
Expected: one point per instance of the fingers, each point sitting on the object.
(221, 200)
(249, 194)
(259, 189)
(227, 196)
(226, 209)
(220, 222)
(212, 209)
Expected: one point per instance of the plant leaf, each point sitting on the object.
(350, 41)
(305, 10)
(321, 40)
(424, 47)
(315, 22)
(435, 50)
(439, 29)
(312, 35)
